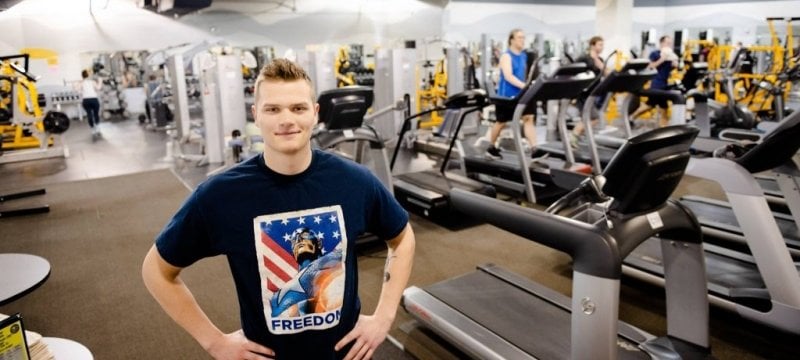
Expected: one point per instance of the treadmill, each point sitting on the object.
(717, 217)
(341, 121)
(517, 174)
(762, 282)
(630, 79)
(495, 314)
(426, 192)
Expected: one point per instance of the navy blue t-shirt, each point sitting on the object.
(661, 79)
(289, 240)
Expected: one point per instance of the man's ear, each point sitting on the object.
(255, 117)
(316, 113)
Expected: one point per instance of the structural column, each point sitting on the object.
(614, 23)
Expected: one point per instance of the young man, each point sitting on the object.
(513, 74)
(594, 62)
(287, 221)
(663, 60)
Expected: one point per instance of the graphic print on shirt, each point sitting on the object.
(301, 258)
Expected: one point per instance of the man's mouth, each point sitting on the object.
(284, 133)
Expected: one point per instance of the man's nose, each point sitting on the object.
(285, 118)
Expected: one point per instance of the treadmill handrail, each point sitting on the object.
(594, 252)
(776, 148)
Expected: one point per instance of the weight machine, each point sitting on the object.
(27, 132)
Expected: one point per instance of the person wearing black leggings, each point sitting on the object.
(90, 102)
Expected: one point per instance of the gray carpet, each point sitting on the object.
(95, 238)
(99, 230)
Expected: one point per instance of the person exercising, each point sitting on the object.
(663, 60)
(512, 79)
(287, 221)
(90, 102)
(594, 63)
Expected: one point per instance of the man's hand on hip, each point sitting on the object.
(235, 346)
(369, 332)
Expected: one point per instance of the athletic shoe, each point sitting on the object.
(494, 152)
(480, 142)
(573, 140)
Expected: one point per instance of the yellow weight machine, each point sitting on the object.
(432, 93)
(26, 133)
(349, 68)
(747, 87)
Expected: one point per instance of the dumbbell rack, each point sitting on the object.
(112, 100)
(66, 101)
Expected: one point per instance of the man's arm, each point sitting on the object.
(508, 72)
(598, 63)
(370, 331)
(163, 281)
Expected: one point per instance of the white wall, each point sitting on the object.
(373, 23)
(465, 21)
(69, 28)
(743, 18)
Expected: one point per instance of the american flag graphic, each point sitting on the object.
(274, 233)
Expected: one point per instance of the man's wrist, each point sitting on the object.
(385, 316)
(208, 341)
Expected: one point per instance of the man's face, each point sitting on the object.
(667, 42)
(598, 47)
(518, 41)
(286, 115)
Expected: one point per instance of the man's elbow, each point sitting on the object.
(405, 240)
(155, 269)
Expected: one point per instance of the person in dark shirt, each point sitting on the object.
(287, 221)
(594, 62)
(663, 60)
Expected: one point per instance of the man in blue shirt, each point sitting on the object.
(663, 60)
(286, 220)
(513, 73)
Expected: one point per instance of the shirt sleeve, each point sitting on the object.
(655, 55)
(386, 217)
(186, 239)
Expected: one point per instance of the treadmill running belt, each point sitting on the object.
(527, 321)
(769, 186)
(433, 180)
(713, 215)
(582, 153)
(724, 273)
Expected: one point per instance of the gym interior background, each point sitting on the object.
(172, 114)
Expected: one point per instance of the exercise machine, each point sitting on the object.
(26, 131)
(341, 121)
(762, 284)
(426, 192)
(495, 314)
(629, 80)
(516, 173)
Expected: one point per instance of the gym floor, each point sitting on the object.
(127, 148)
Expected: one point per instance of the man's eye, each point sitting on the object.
(300, 108)
(271, 109)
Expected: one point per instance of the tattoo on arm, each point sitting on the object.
(386, 275)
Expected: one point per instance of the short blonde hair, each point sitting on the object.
(282, 70)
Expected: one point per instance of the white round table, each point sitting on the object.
(65, 349)
(21, 274)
